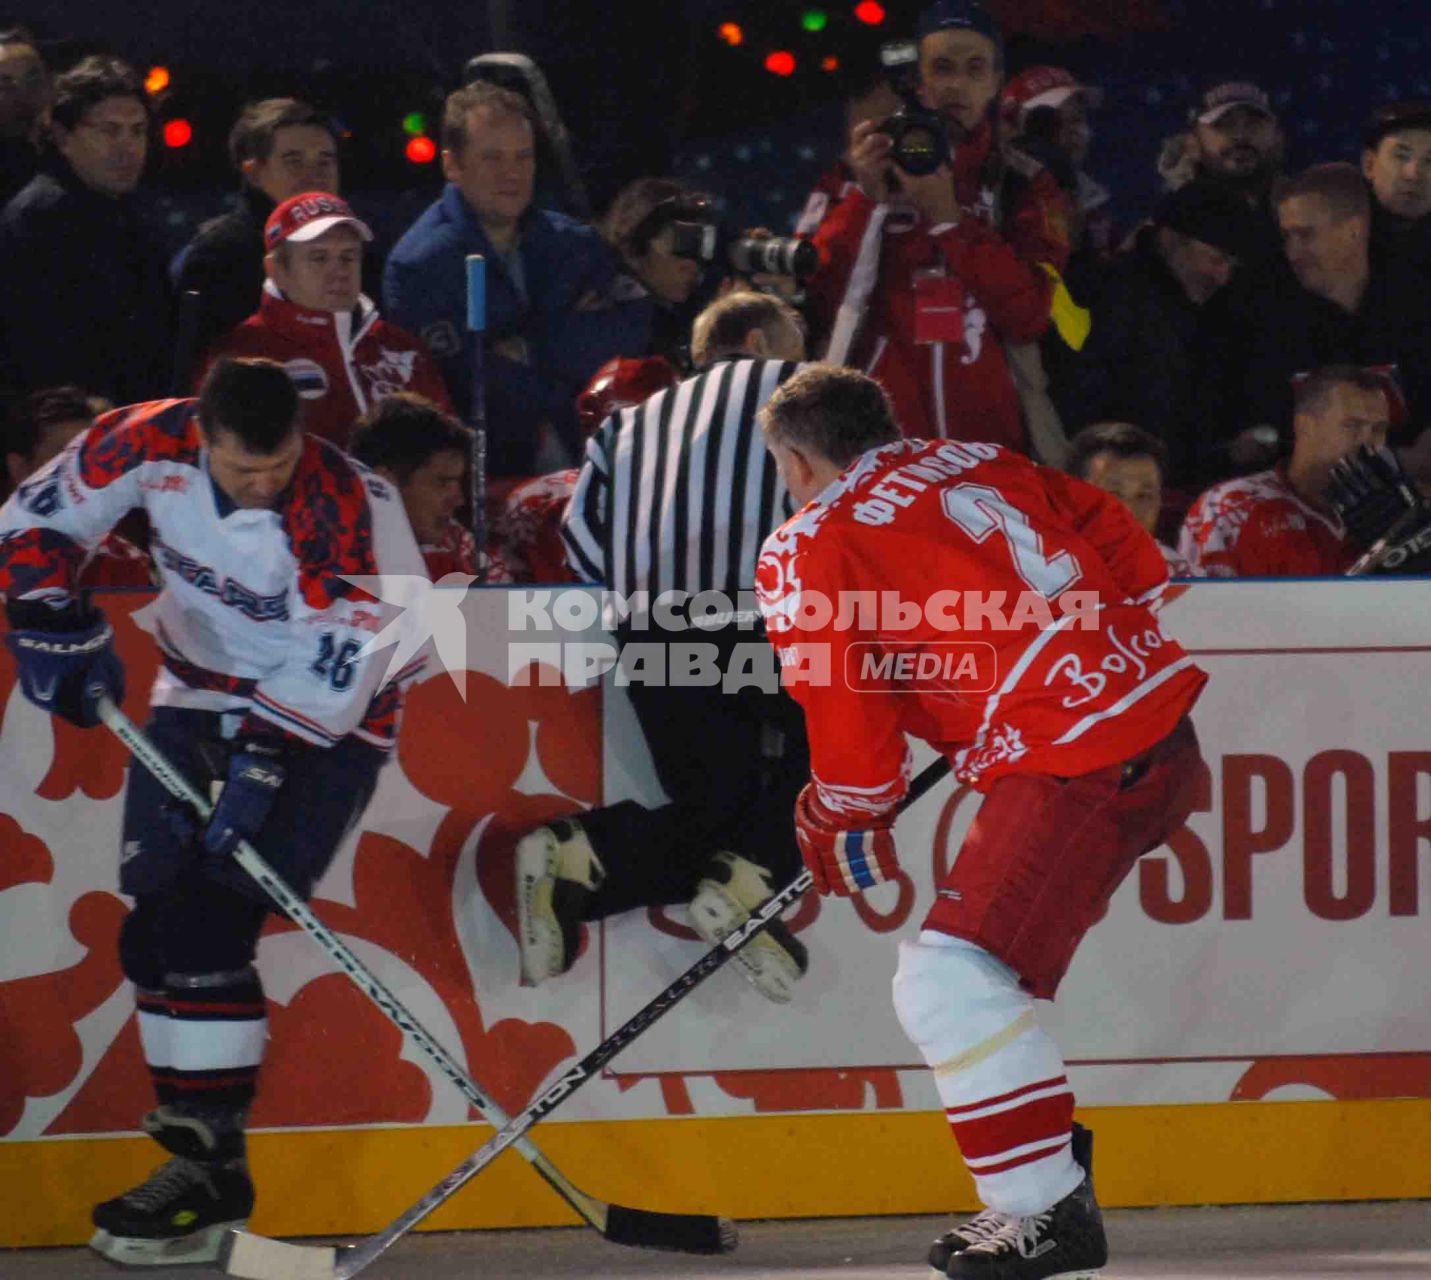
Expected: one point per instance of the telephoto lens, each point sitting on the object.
(774, 255)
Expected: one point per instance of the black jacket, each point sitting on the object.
(1144, 360)
(86, 293)
(224, 264)
(1280, 329)
(1400, 243)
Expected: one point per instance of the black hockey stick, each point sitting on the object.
(679, 1232)
(258, 1258)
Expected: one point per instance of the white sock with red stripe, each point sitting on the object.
(204, 1037)
(1000, 1076)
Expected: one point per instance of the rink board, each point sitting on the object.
(1249, 1023)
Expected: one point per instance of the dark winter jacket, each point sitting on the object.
(562, 317)
(1144, 361)
(86, 292)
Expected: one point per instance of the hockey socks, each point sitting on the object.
(204, 1037)
(999, 1075)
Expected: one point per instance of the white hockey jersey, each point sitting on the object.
(254, 612)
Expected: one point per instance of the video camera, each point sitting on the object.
(921, 142)
(698, 235)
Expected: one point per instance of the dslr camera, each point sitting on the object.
(921, 142)
(698, 235)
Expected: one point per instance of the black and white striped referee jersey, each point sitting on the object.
(678, 493)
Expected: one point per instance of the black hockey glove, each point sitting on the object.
(1384, 515)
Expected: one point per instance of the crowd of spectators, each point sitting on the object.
(1206, 363)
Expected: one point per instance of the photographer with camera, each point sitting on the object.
(676, 256)
(947, 254)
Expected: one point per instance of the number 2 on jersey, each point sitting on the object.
(981, 511)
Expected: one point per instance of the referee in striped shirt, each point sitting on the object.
(677, 495)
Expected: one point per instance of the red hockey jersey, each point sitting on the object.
(1258, 526)
(999, 610)
(865, 293)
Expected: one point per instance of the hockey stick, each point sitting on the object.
(258, 1258)
(679, 1232)
(476, 266)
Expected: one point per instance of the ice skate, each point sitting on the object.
(1065, 1242)
(557, 871)
(730, 891)
(983, 1226)
(181, 1213)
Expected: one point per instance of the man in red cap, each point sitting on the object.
(1046, 107)
(315, 320)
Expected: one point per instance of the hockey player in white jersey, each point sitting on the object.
(263, 689)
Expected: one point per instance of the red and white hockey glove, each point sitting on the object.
(843, 862)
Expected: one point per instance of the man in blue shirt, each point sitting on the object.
(550, 320)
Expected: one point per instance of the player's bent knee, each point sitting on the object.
(140, 958)
(953, 996)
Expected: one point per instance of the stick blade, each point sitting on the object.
(259, 1258)
(673, 1232)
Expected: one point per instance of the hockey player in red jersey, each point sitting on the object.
(1070, 714)
(1277, 523)
(265, 690)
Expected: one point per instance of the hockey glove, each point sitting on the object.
(843, 862)
(1384, 514)
(1370, 491)
(65, 657)
(255, 776)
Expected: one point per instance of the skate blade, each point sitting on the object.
(259, 1258)
(764, 963)
(537, 941)
(200, 1248)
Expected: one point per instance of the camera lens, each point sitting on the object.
(919, 150)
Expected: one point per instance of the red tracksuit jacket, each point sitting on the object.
(342, 363)
(865, 293)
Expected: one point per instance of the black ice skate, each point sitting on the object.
(557, 872)
(181, 1213)
(1065, 1242)
(731, 889)
(987, 1224)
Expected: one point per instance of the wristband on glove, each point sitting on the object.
(843, 861)
(65, 657)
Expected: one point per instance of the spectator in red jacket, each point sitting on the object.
(1277, 523)
(421, 450)
(315, 320)
(926, 281)
(38, 430)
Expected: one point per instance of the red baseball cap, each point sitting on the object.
(308, 216)
(1042, 87)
